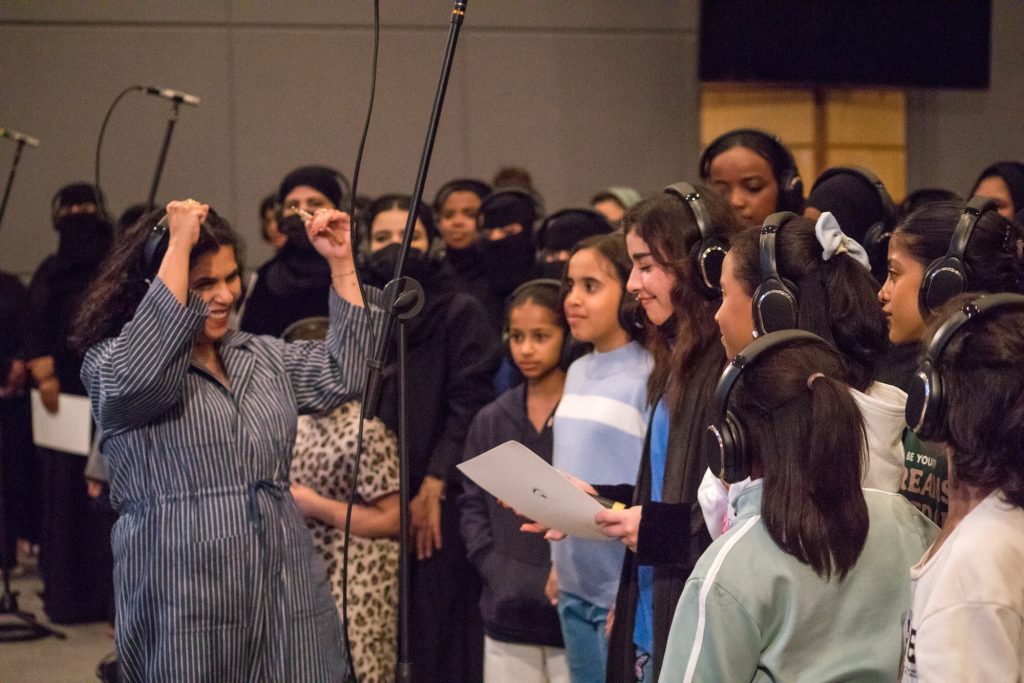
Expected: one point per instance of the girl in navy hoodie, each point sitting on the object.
(523, 638)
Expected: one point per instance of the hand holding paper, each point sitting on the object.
(519, 477)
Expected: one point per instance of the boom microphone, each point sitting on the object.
(19, 137)
(173, 95)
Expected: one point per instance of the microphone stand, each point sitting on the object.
(29, 628)
(403, 299)
(172, 118)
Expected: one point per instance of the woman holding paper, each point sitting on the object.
(72, 547)
(215, 576)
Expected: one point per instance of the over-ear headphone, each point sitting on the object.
(791, 187)
(926, 402)
(774, 303)
(880, 230)
(155, 248)
(709, 251)
(876, 239)
(726, 443)
(568, 352)
(477, 187)
(525, 193)
(589, 223)
(949, 275)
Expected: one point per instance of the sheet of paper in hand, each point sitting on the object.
(514, 474)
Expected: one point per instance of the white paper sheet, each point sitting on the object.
(69, 430)
(519, 477)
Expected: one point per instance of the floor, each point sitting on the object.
(49, 659)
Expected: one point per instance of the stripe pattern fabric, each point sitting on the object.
(215, 575)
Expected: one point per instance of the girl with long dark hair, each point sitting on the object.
(833, 297)
(810, 582)
(966, 619)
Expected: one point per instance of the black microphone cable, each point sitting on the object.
(353, 245)
(99, 144)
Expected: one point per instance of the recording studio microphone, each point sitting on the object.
(19, 137)
(173, 95)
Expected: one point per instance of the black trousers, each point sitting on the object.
(446, 630)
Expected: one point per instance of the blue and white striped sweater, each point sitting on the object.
(599, 434)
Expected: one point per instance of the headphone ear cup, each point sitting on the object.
(775, 306)
(155, 247)
(791, 193)
(925, 410)
(943, 280)
(707, 256)
(729, 448)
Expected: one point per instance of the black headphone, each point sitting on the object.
(775, 299)
(880, 230)
(569, 351)
(791, 187)
(710, 250)
(926, 403)
(949, 275)
(477, 187)
(876, 239)
(726, 444)
(155, 248)
(598, 220)
(535, 201)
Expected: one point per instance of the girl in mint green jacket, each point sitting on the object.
(812, 580)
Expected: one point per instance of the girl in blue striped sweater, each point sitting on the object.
(599, 434)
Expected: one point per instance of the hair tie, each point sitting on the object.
(834, 241)
(813, 376)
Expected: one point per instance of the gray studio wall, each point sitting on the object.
(953, 134)
(584, 93)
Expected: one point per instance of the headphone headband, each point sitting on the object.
(965, 226)
(890, 213)
(710, 250)
(949, 275)
(791, 187)
(774, 302)
(540, 281)
(691, 197)
(725, 442)
(596, 219)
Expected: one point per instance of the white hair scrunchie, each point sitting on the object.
(834, 241)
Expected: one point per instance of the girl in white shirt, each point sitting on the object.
(967, 617)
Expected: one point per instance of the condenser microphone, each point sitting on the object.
(19, 137)
(173, 95)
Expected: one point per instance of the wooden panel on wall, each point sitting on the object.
(866, 127)
(867, 117)
(786, 112)
(789, 113)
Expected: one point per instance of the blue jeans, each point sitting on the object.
(586, 648)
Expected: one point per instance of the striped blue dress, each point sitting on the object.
(215, 575)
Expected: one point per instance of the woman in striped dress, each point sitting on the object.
(215, 576)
